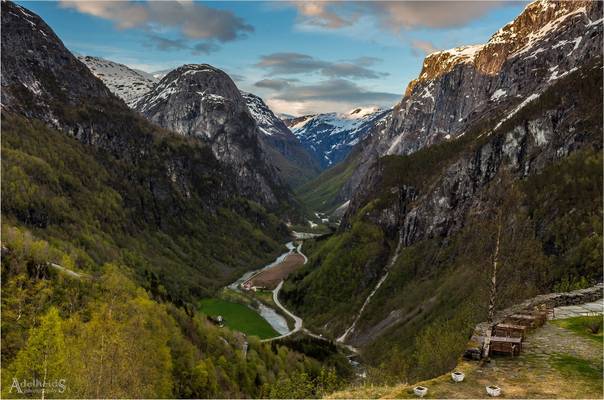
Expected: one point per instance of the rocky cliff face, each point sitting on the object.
(200, 101)
(458, 87)
(284, 150)
(545, 133)
(330, 137)
(523, 146)
(37, 69)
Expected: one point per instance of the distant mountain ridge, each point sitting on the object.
(330, 137)
(295, 163)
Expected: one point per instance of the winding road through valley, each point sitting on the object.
(298, 322)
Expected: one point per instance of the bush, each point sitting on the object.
(593, 324)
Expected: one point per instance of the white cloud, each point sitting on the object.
(297, 63)
(422, 47)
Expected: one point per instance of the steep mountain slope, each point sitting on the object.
(285, 151)
(545, 42)
(126, 83)
(202, 102)
(330, 137)
(84, 171)
(322, 193)
(518, 180)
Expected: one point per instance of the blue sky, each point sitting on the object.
(301, 58)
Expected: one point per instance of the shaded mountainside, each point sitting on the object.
(330, 137)
(323, 193)
(525, 168)
(202, 102)
(294, 163)
(82, 169)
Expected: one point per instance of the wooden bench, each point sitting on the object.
(509, 330)
(506, 345)
(527, 320)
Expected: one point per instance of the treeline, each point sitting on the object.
(103, 336)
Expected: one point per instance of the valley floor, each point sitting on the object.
(557, 362)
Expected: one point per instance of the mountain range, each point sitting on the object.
(330, 137)
(318, 142)
(482, 187)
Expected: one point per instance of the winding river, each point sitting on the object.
(276, 320)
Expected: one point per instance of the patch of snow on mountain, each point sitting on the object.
(267, 121)
(127, 83)
(518, 108)
(331, 136)
(498, 93)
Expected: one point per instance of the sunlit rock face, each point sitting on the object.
(460, 86)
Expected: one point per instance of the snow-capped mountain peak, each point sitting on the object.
(331, 136)
(127, 83)
(268, 123)
(360, 112)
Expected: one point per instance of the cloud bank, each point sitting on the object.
(296, 63)
(192, 21)
(324, 96)
(393, 15)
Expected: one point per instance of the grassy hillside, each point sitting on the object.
(320, 193)
(107, 337)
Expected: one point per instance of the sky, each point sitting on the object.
(300, 57)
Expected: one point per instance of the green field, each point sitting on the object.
(581, 326)
(238, 317)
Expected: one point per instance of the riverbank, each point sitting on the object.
(263, 301)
